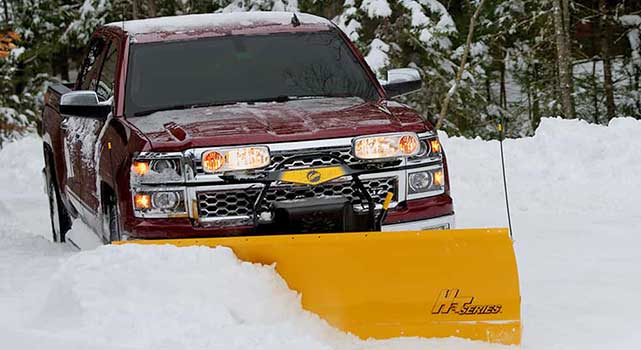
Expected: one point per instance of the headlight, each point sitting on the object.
(429, 149)
(164, 200)
(386, 146)
(432, 180)
(236, 158)
(163, 203)
(151, 168)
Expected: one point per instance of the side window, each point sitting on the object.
(107, 81)
(91, 66)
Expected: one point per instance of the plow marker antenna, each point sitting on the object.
(507, 201)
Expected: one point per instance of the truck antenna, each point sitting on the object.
(507, 201)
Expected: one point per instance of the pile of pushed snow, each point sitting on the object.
(168, 297)
(567, 167)
(164, 297)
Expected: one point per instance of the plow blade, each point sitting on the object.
(432, 284)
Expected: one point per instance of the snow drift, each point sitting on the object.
(575, 193)
(568, 167)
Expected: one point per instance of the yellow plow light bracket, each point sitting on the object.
(460, 283)
(313, 176)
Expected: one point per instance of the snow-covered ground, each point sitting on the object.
(575, 193)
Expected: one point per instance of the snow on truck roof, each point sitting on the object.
(212, 21)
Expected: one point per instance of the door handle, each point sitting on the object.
(64, 124)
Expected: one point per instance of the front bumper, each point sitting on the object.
(440, 223)
(413, 215)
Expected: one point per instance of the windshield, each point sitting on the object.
(247, 68)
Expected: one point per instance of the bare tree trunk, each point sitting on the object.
(503, 95)
(595, 94)
(488, 88)
(528, 88)
(6, 11)
(134, 9)
(564, 61)
(568, 42)
(637, 77)
(596, 30)
(536, 109)
(461, 69)
(566, 21)
(151, 7)
(608, 85)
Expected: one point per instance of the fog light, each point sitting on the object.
(419, 182)
(142, 201)
(162, 165)
(164, 200)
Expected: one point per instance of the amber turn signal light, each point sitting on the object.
(439, 178)
(140, 167)
(435, 145)
(142, 201)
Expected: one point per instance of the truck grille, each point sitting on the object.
(317, 158)
(313, 160)
(221, 204)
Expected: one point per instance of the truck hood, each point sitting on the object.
(296, 120)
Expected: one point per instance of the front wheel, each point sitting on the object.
(60, 221)
(110, 219)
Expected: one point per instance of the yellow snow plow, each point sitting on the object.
(433, 284)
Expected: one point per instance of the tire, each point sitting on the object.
(111, 219)
(60, 220)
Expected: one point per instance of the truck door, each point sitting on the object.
(105, 90)
(80, 136)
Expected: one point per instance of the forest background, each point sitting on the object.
(525, 60)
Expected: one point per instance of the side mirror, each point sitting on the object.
(84, 104)
(402, 81)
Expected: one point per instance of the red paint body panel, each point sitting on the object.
(270, 123)
(218, 126)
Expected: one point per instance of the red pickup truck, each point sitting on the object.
(237, 124)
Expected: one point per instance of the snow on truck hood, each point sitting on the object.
(297, 120)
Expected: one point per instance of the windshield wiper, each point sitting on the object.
(181, 106)
(285, 98)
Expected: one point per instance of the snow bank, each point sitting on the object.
(569, 165)
(575, 195)
(22, 187)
